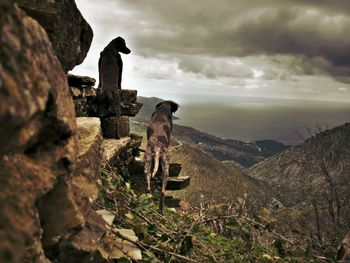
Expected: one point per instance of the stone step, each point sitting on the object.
(90, 155)
(174, 170)
(112, 148)
(178, 183)
(174, 183)
(172, 202)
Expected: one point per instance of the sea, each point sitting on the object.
(289, 121)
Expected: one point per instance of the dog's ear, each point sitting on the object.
(158, 105)
(120, 45)
(174, 106)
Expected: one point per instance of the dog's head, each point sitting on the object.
(172, 106)
(119, 44)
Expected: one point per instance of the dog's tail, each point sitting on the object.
(156, 161)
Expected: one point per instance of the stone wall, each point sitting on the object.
(38, 139)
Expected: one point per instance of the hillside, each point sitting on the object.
(241, 153)
(312, 180)
(214, 180)
(307, 170)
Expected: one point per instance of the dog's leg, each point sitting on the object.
(165, 162)
(148, 166)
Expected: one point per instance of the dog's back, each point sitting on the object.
(158, 135)
(160, 127)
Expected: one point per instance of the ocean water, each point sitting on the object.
(247, 119)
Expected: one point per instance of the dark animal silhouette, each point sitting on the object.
(157, 151)
(110, 68)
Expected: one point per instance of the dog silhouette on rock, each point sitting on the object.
(110, 68)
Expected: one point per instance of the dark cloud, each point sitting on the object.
(316, 30)
(228, 41)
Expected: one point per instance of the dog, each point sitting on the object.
(110, 68)
(157, 150)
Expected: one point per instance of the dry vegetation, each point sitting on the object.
(206, 233)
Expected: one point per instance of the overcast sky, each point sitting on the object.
(257, 48)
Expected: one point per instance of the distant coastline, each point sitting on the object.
(248, 119)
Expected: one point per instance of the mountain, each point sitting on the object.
(316, 167)
(238, 152)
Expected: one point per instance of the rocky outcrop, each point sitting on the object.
(37, 131)
(69, 33)
(87, 105)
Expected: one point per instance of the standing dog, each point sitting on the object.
(158, 136)
(110, 68)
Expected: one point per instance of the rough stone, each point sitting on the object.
(22, 182)
(86, 103)
(121, 246)
(79, 92)
(83, 246)
(127, 109)
(60, 215)
(80, 81)
(70, 34)
(90, 156)
(112, 149)
(35, 106)
(128, 96)
(82, 108)
(114, 128)
(130, 109)
(37, 124)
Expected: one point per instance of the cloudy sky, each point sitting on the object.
(257, 48)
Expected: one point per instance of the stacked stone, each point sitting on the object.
(86, 105)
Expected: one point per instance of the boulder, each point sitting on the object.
(69, 33)
(37, 127)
